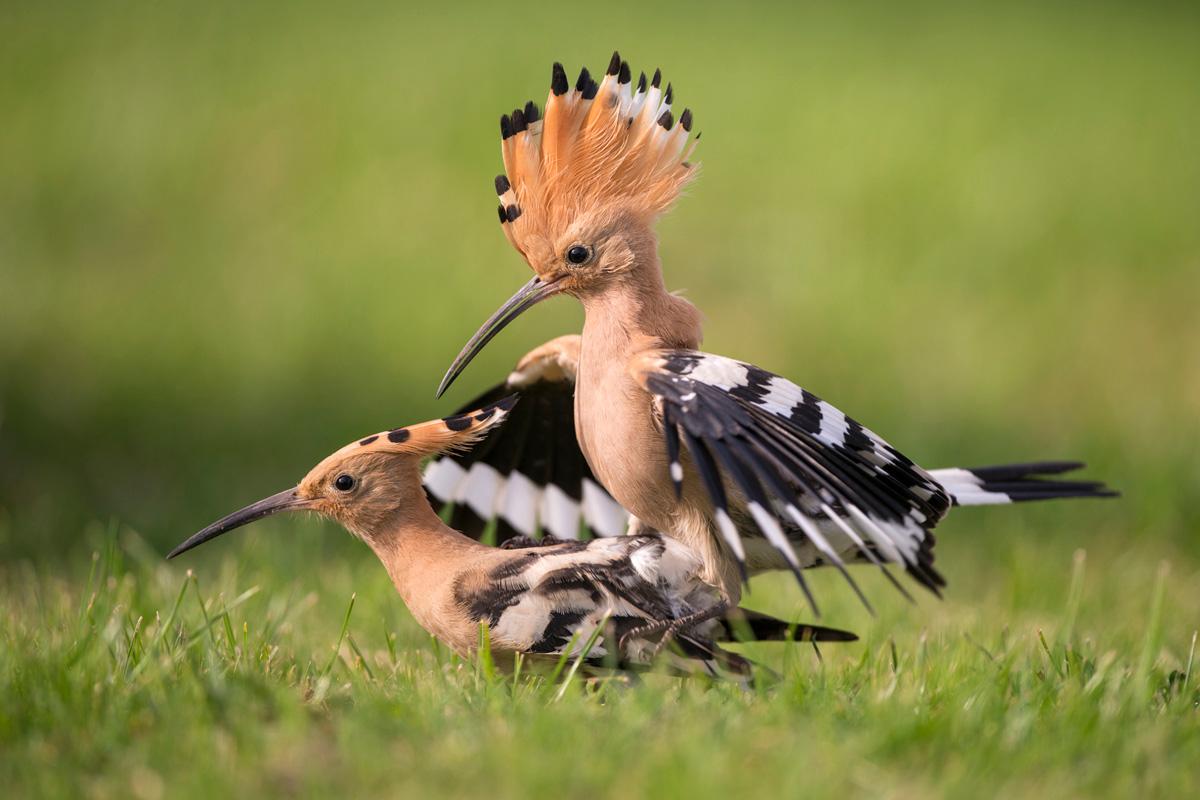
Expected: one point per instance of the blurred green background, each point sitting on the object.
(235, 236)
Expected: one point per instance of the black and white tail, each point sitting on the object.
(1015, 483)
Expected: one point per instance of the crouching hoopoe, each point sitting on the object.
(536, 600)
(748, 469)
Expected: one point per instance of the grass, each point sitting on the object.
(233, 238)
(138, 680)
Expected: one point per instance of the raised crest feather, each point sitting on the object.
(596, 145)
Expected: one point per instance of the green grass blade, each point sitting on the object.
(362, 660)
(583, 654)
(338, 645)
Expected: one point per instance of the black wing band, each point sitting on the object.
(797, 460)
(529, 474)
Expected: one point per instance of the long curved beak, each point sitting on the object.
(275, 504)
(526, 297)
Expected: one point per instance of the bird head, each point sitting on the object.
(583, 186)
(367, 483)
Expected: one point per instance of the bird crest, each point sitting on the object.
(598, 145)
(430, 438)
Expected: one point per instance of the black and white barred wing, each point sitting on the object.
(528, 474)
(551, 600)
(804, 474)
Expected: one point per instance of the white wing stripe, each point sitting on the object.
(442, 478)
(605, 516)
(732, 537)
(520, 504)
(775, 535)
(560, 514)
(482, 489)
(723, 372)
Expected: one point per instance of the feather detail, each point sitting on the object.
(596, 144)
(793, 458)
(530, 475)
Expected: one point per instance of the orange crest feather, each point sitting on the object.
(430, 438)
(597, 145)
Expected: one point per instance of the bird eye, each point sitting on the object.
(578, 254)
(344, 483)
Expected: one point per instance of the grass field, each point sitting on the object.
(234, 237)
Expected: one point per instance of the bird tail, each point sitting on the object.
(692, 654)
(740, 623)
(1015, 483)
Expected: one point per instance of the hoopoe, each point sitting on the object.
(751, 471)
(537, 600)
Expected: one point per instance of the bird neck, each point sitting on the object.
(637, 312)
(421, 553)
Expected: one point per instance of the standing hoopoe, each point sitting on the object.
(538, 600)
(751, 471)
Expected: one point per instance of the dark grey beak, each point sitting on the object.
(526, 297)
(275, 504)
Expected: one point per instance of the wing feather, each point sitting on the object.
(796, 459)
(528, 474)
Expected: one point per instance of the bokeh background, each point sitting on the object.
(235, 236)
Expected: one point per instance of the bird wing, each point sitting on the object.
(617, 594)
(528, 474)
(549, 600)
(795, 460)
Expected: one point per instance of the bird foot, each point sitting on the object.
(672, 627)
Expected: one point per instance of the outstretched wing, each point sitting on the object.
(528, 474)
(803, 472)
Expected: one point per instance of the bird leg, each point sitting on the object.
(672, 627)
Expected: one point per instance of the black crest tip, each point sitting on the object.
(624, 76)
(558, 80)
(532, 113)
(506, 126)
(669, 95)
(685, 119)
(502, 184)
(666, 120)
(614, 64)
(503, 214)
(589, 91)
(518, 121)
(641, 87)
(585, 78)
(512, 212)
(657, 79)
(504, 404)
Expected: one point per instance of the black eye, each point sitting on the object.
(344, 483)
(578, 254)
